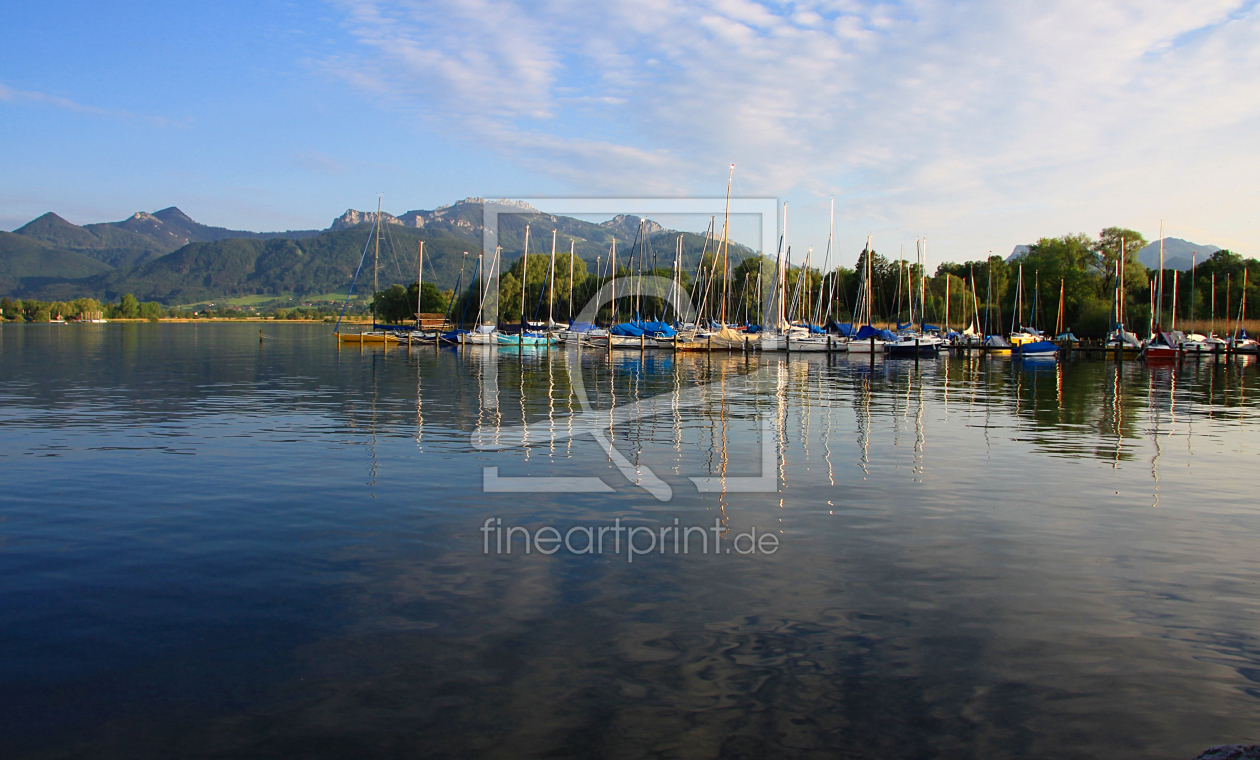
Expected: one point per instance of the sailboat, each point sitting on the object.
(868, 339)
(919, 342)
(1028, 341)
(971, 334)
(486, 331)
(1196, 343)
(376, 334)
(1239, 341)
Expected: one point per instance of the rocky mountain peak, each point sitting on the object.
(629, 225)
(353, 217)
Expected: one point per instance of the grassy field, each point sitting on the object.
(1223, 327)
(280, 301)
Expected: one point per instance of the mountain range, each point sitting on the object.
(1177, 253)
(168, 257)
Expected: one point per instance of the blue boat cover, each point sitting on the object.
(927, 327)
(867, 332)
(627, 330)
(1039, 347)
(581, 326)
(658, 329)
(906, 326)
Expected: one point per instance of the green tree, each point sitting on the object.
(509, 298)
(432, 300)
(392, 305)
(1107, 252)
(128, 307)
(150, 310)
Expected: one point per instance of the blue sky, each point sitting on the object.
(981, 125)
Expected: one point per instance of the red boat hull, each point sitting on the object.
(1161, 353)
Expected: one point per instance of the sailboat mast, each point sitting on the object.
(1194, 260)
(376, 260)
(1173, 323)
(551, 285)
(1120, 306)
(571, 249)
(1212, 316)
(524, 275)
(870, 291)
(1242, 307)
(1058, 322)
(726, 244)
(419, 282)
(923, 286)
(1159, 308)
(612, 269)
(1018, 316)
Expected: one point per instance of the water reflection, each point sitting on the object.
(970, 563)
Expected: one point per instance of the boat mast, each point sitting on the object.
(571, 248)
(923, 286)
(1159, 309)
(869, 291)
(1242, 306)
(1212, 316)
(1173, 323)
(524, 276)
(612, 270)
(1120, 282)
(726, 244)
(376, 258)
(1194, 259)
(419, 282)
(1058, 322)
(551, 287)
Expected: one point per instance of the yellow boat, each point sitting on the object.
(367, 337)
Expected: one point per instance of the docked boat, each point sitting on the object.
(913, 344)
(996, 344)
(1161, 347)
(524, 339)
(378, 333)
(1196, 343)
(1037, 348)
(1122, 340)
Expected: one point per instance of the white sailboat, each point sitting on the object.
(867, 339)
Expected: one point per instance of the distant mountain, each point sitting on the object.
(1177, 254)
(139, 238)
(1019, 249)
(324, 262)
(109, 243)
(26, 263)
(629, 225)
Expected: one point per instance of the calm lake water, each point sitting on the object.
(215, 548)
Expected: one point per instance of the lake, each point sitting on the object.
(216, 546)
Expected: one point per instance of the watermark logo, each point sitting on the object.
(638, 540)
(599, 423)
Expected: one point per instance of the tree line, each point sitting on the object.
(984, 291)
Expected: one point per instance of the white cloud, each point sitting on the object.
(11, 95)
(984, 124)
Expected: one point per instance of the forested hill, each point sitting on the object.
(306, 262)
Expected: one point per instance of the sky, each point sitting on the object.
(980, 125)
